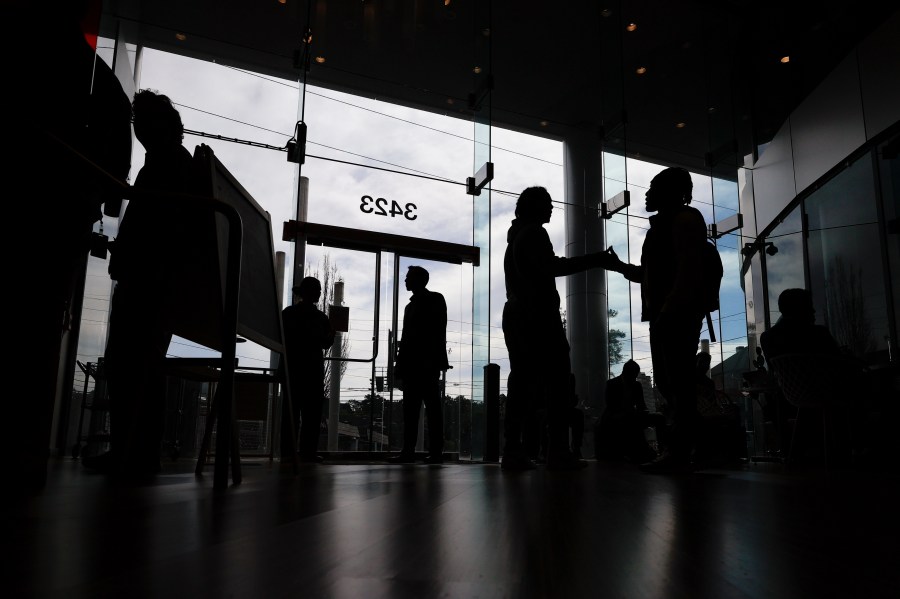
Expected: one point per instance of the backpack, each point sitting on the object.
(712, 282)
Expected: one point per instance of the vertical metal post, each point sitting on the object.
(334, 395)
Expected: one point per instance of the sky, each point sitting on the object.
(231, 103)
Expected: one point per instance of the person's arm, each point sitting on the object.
(632, 272)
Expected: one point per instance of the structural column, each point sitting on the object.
(586, 297)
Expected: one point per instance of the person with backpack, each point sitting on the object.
(679, 274)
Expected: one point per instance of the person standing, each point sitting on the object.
(539, 361)
(421, 358)
(671, 275)
(308, 333)
(144, 259)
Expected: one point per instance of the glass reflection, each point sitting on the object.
(783, 259)
(845, 268)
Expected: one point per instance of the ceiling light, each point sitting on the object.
(680, 125)
(606, 12)
(450, 101)
(320, 59)
(711, 109)
(446, 2)
(785, 59)
(631, 27)
(641, 70)
(282, 1)
(476, 70)
(544, 123)
(180, 37)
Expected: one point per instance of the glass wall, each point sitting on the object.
(783, 260)
(373, 166)
(845, 266)
(619, 290)
(888, 165)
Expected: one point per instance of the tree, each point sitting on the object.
(615, 340)
(327, 273)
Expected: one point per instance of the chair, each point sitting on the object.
(811, 381)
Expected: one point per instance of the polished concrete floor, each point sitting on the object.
(373, 530)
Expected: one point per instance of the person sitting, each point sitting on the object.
(796, 332)
(619, 434)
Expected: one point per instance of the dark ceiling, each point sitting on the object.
(558, 68)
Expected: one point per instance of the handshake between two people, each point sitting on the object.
(608, 260)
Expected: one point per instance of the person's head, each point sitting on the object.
(157, 123)
(534, 205)
(670, 188)
(631, 370)
(797, 305)
(416, 278)
(703, 362)
(309, 290)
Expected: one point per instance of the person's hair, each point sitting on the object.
(307, 286)
(631, 365)
(152, 106)
(531, 202)
(705, 357)
(795, 301)
(418, 275)
(678, 180)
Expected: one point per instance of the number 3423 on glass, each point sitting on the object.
(379, 206)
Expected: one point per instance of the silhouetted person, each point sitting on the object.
(421, 358)
(720, 437)
(619, 434)
(796, 330)
(79, 112)
(671, 278)
(539, 361)
(760, 361)
(308, 333)
(144, 260)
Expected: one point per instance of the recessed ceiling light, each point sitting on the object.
(476, 70)
(450, 101)
(679, 125)
(544, 123)
(320, 59)
(282, 1)
(180, 37)
(711, 109)
(640, 70)
(631, 27)
(785, 59)
(446, 2)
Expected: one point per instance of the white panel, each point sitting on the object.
(828, 125)
(773, 178)
(879, 59)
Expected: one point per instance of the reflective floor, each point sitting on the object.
(458, 530)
